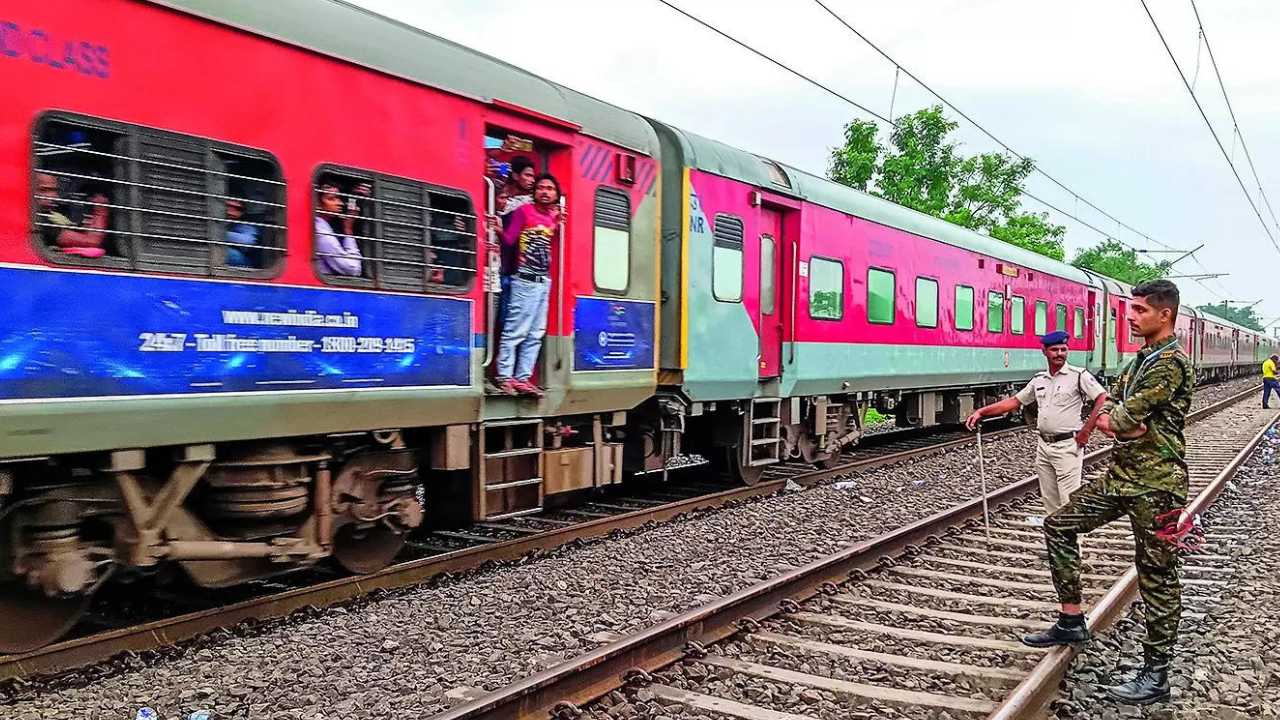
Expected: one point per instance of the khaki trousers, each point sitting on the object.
(1060, 466)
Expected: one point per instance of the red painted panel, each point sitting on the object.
(138, 63)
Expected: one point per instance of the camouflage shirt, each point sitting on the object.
(1155, 389)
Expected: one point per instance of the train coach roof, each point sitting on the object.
(342, 30)
(718, 158)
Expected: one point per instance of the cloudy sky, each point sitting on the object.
(1082, 86)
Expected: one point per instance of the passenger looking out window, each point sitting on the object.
(240, 233)
(337, 251)
(528, 240)
(75, 228)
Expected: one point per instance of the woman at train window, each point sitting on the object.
(76, 230)
(530, 235)
(337, 252)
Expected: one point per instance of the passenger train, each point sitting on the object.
(184, 382)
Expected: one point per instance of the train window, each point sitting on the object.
(1060, 319)
(1042, 318)
(826, 289)
(393, 233)
(612, 240)
(726, 258)
(995, 312)
(926, 302)
(881, 296)
(768, 274)
(964, 307)
(109, 194)
(1017, 315)
(1078, 329)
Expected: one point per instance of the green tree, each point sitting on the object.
(856, 161)
(1240, 316)
(921, 169)
(1034, 232)
(1114, 260)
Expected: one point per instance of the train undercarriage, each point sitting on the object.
(229, 513)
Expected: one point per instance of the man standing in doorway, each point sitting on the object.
(1060, 394)
(1147, 481)
(1269, 382)
(532, 234)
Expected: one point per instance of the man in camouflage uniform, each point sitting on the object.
(1145, 413)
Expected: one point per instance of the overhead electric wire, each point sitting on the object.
(892, 123)
(987, 132)
(1204, 34)
(1209, 124)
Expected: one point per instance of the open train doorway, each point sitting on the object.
(520, 247)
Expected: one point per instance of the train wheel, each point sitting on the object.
(731, 466)
(830, 461)
(32, 620)
(364, 550)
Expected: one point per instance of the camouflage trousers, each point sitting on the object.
(1157, 560)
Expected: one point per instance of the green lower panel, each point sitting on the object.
(827, 368)
(80, 426)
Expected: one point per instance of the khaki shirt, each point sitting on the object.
(1060, 398)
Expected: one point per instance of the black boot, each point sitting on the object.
(1069, 630)
(1150, 686)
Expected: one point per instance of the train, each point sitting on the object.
(187, 382)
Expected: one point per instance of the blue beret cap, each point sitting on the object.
(1054, 338)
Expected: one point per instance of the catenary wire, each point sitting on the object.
(1205, 116)
(1204, 35)
(831, 91)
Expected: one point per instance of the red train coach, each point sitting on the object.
(249, 306)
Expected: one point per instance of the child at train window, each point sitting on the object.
(338, 254)
(240, 234)
(529, 235)
(84, 238)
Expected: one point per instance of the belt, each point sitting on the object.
(1056, 437)
(531, 277)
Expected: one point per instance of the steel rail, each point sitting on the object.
(98, 647)
(1039, 688)
(588, 677)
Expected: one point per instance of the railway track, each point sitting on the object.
(438, 553)
(921, 622)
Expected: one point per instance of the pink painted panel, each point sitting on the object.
(862, 245)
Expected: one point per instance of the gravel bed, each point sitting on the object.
(1209, 394)
(782, 697)
(404, 652)
(867, 672)
(420, 650)
(1227, 664)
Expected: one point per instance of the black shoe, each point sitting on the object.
(1069, 630)
(1150, 686)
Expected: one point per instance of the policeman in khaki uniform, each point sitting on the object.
(1060, 394)
(1147, 482)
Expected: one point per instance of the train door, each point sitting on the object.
(770, 320)
(1123, 332)
(510, 149)
(1090, 320)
